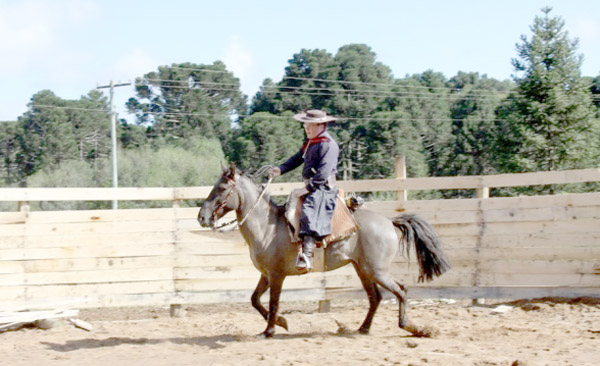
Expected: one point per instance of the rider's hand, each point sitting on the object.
(274, 172)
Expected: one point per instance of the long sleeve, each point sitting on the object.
(292, 163)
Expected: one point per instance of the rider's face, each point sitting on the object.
(313, 129)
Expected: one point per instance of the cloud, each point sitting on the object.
(136, 62)
(30, 30)
(241, 62)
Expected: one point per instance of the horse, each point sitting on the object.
(370, 250)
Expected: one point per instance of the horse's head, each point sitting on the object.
(223, 198)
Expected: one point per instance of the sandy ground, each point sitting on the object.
(550, 332)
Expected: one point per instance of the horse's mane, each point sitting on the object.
(280, 209)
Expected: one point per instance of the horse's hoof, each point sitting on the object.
(363, 331)
(421, 332)
(282, 322)
(266, 334)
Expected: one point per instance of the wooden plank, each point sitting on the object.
(564, 253)
(525, 279)
(83, 290)
(98, 239)
(511, 292)
(86, 194)
(11, 267)
(369, 185)
(567, 267)
(216, 273)
(83, 264)
(543, 227)
(183, 261)
(211, 248)
(87, 216)
(200, 285)
(84, 277)
(540, 240)
(12, 218)
(11, 241)
(243, 296)
(87, 252)
(98, 227)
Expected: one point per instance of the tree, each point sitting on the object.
(426, 100)
(45, 134)
(90, 122)
(304, 85)
(392, 134)
(8, 153)
(596, 92)
(473, 113)
(266, 139)
(548, 123)
(186, 99)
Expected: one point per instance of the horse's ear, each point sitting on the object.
(231, 172)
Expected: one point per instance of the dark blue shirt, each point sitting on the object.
(320, 157)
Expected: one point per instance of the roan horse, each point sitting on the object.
(370, 250)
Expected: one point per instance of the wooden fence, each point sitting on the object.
(519, 247)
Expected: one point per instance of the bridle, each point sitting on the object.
(224, 203)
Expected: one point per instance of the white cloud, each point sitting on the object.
(587, 29)
(135, 63)
(29, 30)
(241, 62)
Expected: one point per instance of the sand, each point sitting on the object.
(541, 332)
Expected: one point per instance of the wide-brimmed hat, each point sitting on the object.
(314, 116)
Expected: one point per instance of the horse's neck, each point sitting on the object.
(257, 215)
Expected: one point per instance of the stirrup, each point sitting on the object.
(303, 264)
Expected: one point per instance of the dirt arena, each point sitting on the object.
(541, 332)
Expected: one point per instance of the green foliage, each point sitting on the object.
(266, 139)
(54, 130)
(191, 118)
(548, 123)
(473, 112)
(9, 169)
(185, 100)
(195, 162)
(69, 173)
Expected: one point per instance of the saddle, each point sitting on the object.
(342, 222)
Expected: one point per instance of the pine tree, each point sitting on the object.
(549, 122)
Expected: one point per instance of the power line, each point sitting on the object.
(335, 80)
(73, 108)
(202, 70)
(333, 92)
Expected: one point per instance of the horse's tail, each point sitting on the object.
(431, 257)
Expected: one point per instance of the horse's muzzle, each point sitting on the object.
(205, 218)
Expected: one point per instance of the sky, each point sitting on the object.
(72, 46)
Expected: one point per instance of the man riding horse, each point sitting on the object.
(319, 153)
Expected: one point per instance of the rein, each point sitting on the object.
(224, 203)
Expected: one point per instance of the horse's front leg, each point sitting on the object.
(275, 283)
(261, 288)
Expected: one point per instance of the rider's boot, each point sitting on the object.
(304, 260)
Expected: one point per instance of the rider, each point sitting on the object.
(319, 153)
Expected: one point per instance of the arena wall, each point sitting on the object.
(499, 247)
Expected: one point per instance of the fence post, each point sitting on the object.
(400, 173)
(24, 207)
(175, 310)
(482, 193)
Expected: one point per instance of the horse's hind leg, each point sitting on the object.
(386, 281)
(374, 299)
(261, 288)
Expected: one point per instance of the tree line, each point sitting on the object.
(190, 118)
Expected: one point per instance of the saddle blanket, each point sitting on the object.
(342, 222)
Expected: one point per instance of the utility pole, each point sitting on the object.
(113, 134)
